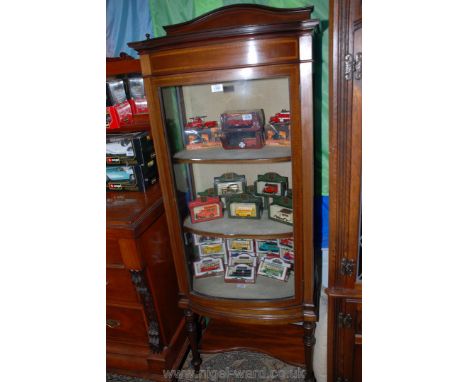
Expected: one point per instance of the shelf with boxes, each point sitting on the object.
(126, 104)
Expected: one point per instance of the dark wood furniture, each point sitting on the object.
(345, 256)
(145, 327)
(240, 44)
(144, 324)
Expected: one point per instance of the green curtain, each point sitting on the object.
(177, 11)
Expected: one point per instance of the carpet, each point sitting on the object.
(235, 366)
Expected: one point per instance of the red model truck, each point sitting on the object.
(198, 123)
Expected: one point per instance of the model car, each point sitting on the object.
(241, 272)
(209, 266)
(240, 246)
(287, 243)
(120, 174)
(207, 212)
(283, 214)
(198, 123)
(288, 256)
(210, 249)
(282, 117)
(273, 272)
(267, 246)
(245, 211)
(270, 188)
(230, 188)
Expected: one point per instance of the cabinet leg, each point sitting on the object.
(192, 333)
(309, 342)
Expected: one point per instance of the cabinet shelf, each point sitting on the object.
(267, 154)
(263, 228)
(264, 288)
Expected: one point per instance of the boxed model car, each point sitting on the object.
(271, 184)
(130, 178)
(281, 210)
(241, 273)
(208, 266)
(136, 92)
(243, 129)
(118, 110)
(244, 206)
(274, 268)
(205, 208)
(236, 258)
(230, 183)
(129, 148)
(270, 245)
(245, 245)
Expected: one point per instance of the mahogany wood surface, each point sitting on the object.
(344, 290)
(242, 42)
(280, 341)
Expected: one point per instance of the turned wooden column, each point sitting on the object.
(309, 343)
(192, 333)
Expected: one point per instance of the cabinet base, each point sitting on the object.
(284, 342)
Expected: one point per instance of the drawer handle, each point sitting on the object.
(112, 323)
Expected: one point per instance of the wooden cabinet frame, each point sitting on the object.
(345, 281)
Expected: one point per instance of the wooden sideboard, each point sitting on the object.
(145, 327)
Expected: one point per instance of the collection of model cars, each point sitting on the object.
(240, 260)
(230, 193)
(130, 161)
(125, 97)
(238, 129)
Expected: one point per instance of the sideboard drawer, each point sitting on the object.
(126, 324)
(119, 286)
(113, 256)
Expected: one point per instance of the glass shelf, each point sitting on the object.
(263, 228)
(267, 154)
(264, 288)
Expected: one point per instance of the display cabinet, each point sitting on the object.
(345, 252)
(231, 109)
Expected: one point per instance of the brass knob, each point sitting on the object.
(112, 323)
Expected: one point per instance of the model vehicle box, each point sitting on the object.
(119, 110)
(282, 117)
(130, 177)
(281, 210)
(240, 274)
(270, 245)
(208, 266)
(136, 94)
(129, 148)
(287, 243)
(201, 239)
(230, 183)
(274, 268)
(205, 208)
(244, 245)
(199, 123)
(209, 249)
(287, 255)
(271, 184)
(244, 206)
(243, 129)
(211, 192)
(236, 258)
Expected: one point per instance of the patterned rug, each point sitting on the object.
(233, 366)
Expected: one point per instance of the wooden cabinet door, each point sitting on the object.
(347, 346)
